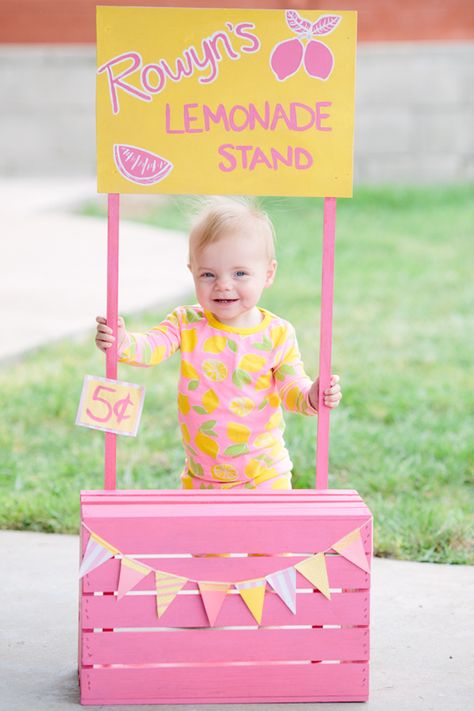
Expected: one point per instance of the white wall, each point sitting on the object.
(414, 112)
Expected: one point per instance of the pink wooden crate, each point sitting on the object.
(129, 655)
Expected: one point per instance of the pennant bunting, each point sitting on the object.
(351, 547)
(96, 553)
(213, 596)
(253, 594)
(284, 584)
(167, 587)
(131, 573)
(314, 569)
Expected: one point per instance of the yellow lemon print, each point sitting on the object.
(265, 474)
(278, 335)
(187, 482)
(224, 472)
(188, 371)
(252, 468)
(210, 401)
(183, 404)
(215, 344)
(263, 382)
(214, 370)
(264, 440)
(241, 406)
(282, 482)
(185, 433)
(206, 444)
(188, 340)
(292, 355)
(252, 363)
(157, 355)
(275, 420)
(237, 432)
(274, 400)
(291, 398)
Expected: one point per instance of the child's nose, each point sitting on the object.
(223, 283)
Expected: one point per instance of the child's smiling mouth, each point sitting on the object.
(225, 301)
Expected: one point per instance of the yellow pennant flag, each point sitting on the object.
(167, 587)
(252, 593)
(314, 569)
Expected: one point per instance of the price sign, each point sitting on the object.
(110, 405)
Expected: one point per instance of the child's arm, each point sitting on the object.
(141, 349)
(297, 391)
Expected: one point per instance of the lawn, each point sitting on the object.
(403, 345)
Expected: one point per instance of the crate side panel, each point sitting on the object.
(223, 534)
(187, 610)
(218, 645)
(341, 572)
(232, 684)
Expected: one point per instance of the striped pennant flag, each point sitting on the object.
(253, 594)
(96, 553)
(314, 569)
(213, 596)
(352, 548)
(284, 584)
(167, 587)
(131, 573)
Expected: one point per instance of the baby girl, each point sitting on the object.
(239, 362)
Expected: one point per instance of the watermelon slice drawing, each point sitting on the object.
(140, 166)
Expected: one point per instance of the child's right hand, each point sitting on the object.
(104, 337)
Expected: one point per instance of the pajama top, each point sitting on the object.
(232, 384)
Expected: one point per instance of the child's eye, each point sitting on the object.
(240, 273)
(206, 275)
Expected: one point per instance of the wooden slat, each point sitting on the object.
(216, 645)
(238, 510)
(223, 534)
(341, 573)
(226, 684)
(348, 608)
(216, 493)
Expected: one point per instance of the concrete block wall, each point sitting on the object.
(414, 111)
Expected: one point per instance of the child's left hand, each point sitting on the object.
(332, 395)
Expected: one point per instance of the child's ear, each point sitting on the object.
(271, 271)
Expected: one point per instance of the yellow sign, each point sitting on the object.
(225, 101)
(110, 405)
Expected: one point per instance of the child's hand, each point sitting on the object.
(332, 395)
(104, 337)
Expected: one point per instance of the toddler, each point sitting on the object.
(239, 362)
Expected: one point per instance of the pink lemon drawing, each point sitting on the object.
(288, 55)
(140, 166)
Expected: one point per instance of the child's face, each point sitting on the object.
(230, 276)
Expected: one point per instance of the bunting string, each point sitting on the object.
(213, 592)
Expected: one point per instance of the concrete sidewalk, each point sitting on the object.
(53, 264)
(421, 636)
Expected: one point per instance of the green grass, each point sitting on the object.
(403, 345)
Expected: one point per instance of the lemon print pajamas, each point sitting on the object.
(232, 386)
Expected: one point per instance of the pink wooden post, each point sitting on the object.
(110, 473)
(325, 343)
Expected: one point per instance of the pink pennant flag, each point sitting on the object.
(167, 587)
(284, 584)
(131, 573)
(351, 547)
(213, 596)
(253, 594)
(96, 553)
(314, 569)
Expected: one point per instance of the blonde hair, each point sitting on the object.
(218, 215)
